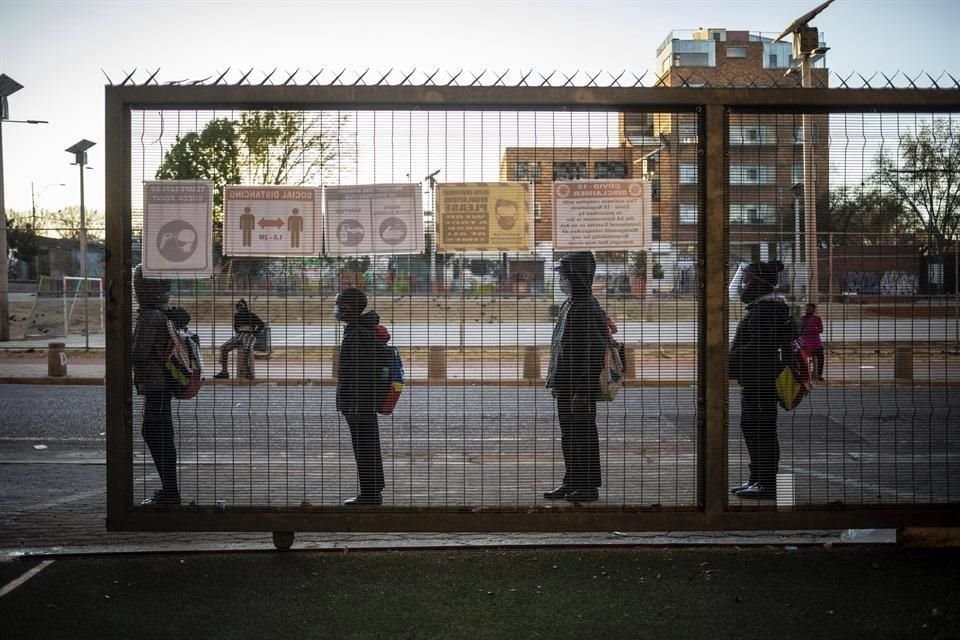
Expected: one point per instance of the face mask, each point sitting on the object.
(565, 285)
(735, 291)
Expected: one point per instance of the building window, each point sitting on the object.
(688, 214)
(741, 134)
(716, 36)
(688, 174)
(752, 174)
(736, 52)
(655, 228)
(655, 191)
(687, 132)
(773, 61)
(528, 171)
(797, 172)
(610, 170)
(537, 212)
(798, 133)
(758, 214)
(691, 60)
(569, 170)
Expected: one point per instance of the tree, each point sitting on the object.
(65, 223)
(22, 239)
(926, 179)
(864, 216)
(213, 154)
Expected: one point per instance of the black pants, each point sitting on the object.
(580, 443)
(817, 355)
(158, 434)
(365, 435)
(758, 422)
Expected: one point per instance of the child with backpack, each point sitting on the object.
(361, 388)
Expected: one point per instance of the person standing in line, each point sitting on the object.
(810, 337)
(763, 336)
(576, 358)
(356, 392)
(246, 326)
(151, 344)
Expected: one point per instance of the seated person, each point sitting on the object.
(246, 325)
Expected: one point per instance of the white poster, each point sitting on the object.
(270, 221)
(177, 228)
(374, 219)
(601, 215)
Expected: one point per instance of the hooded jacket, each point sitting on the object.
(151, 339)
(580, 335)
(763, 336)
(357, 369)
(244, 319)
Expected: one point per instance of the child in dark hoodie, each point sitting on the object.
(356, 390)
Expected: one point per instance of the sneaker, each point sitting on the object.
(559, 493)
(758, 491)
(364, 499)
(740, 487)
(161, 498)
(222, 375)
(583, 495)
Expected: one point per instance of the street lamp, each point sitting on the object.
(79, 151)
(8, 87)
(807, 49)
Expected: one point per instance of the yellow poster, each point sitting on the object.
(484, 216)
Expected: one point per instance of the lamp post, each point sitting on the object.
(8, 86)
(79, 150)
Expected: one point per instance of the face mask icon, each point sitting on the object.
(177, 241)
(506, 213)
(187, 240)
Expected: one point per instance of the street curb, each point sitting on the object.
(53, 381)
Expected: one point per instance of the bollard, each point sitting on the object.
(437, 363)
(56, 359)
(335, 368)
(903, 363)
(245, 364)
(531, 364)
(630, 364)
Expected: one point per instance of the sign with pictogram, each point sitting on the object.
(601, 215)
(372, 219)
(484, 216)
(177, 228)
(270, 221)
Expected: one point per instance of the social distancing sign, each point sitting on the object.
(177, 228)
(270, 221)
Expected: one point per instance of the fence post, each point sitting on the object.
(531, 363)
(56, 359)
(437, 363)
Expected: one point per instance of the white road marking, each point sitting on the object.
(10, 586)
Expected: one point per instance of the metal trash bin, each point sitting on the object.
(263, 346)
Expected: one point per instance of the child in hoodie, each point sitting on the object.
(356, 391)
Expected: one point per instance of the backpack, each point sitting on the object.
(390, 377)
(182, 364)
(612, 372)
(793, 383)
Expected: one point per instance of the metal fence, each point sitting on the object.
(475, 441)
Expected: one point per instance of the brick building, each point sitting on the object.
(765, 151)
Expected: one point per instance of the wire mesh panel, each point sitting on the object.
(849, 223)
(475, 428)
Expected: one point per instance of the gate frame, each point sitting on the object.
(713, 106)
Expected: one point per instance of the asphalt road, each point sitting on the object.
(458, 446)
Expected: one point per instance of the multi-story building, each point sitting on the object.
(766, 158)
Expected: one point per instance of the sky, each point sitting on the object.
(59, 51)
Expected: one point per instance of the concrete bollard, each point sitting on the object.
(903, 363)
(56, 359)
(630, 366)
(437, 363)
(531, 364)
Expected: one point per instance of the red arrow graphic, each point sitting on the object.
(278, 223)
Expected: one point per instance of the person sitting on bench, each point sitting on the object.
(246, 326)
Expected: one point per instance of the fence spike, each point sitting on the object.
(593, 80)
(935, 85)
(523, 79)
(569, 79)
(429, 79)
(130, 75)
(616, 81)
(406, 78)
(222, 76)
(361, 77)
(315, 76)
(453, 78)
(109, 81)
(201, 81)
(638, 80)
(384, 77)
(546, 79)
(245, 76)
(268, 76)
(956, 83)
(292, 76)
(339, 75)
(476, 78)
